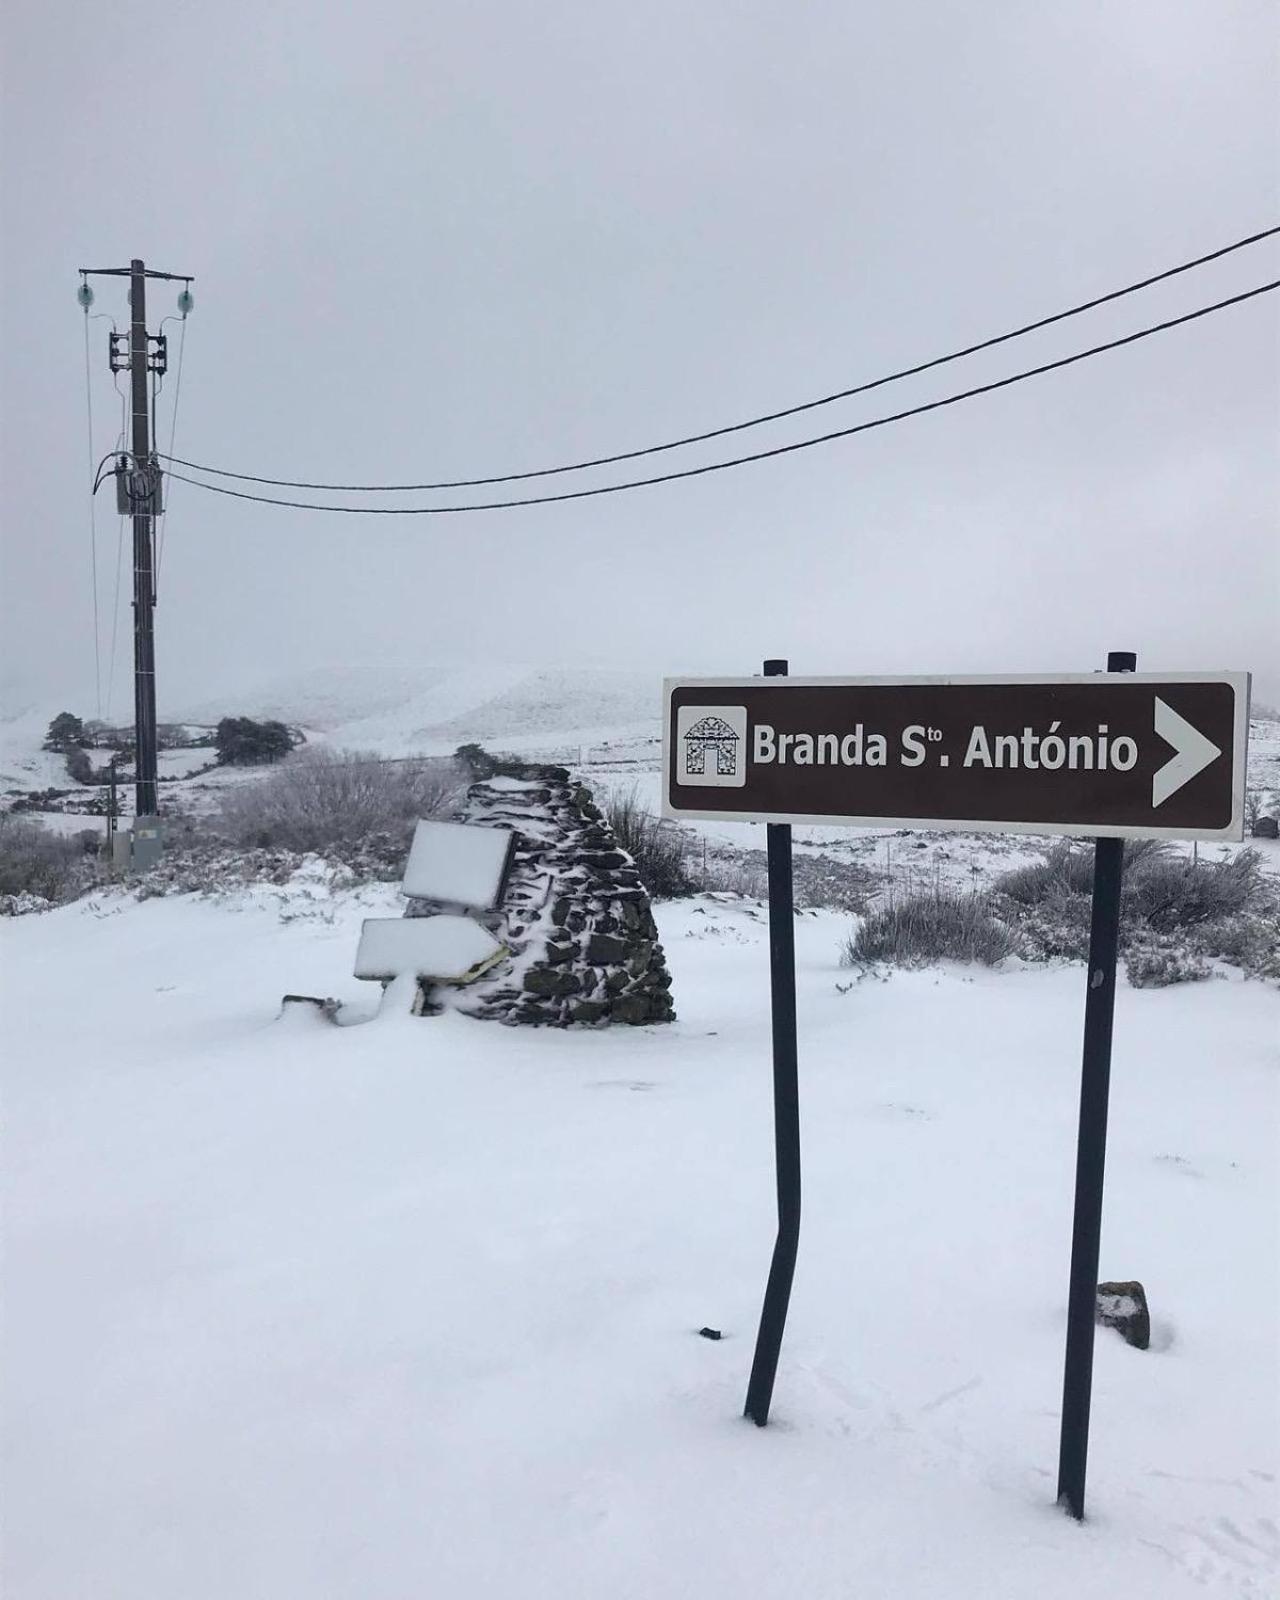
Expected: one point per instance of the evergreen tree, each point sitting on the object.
(65, 732)
(243, 742)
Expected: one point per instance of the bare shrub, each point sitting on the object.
(1172, 891)
(1163, 891)
(740, 875)
(36, 861)
(658, 848)
(1067, 869)
(675, 863)
(818, 882)
(941, 925)
(340, 802)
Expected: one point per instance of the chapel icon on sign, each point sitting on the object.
(711, 746)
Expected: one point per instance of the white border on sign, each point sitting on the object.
(1233, 832)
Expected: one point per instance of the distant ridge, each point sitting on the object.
(397, 708)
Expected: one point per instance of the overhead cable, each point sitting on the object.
(751, 422)
(162, 522)
(759, 455)
(93, 527)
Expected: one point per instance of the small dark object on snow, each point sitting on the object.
(1266, 828)
(328, 1008)
(711, 1333)
(1123, 1306)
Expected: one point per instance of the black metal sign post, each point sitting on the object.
(786, 1112)
(1091, 1150)
(1098, 756)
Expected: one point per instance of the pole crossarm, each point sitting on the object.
(127, 272)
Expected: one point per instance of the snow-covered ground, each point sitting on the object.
(602, 722)
(410, 1309)
(24, 765)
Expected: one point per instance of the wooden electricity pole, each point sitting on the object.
(139, 495)
(145, 475)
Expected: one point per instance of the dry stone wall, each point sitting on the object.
(575, 916)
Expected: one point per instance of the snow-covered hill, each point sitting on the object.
(24, 764)
(396, 708)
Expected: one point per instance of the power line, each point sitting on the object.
(163, 519)
(759, 455)
(115, 615)
(93, 525)
(751, 422)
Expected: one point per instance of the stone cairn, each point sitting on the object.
(575, 916)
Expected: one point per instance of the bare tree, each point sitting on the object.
(321, 799)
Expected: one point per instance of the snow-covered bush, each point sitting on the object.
(940, 925)
(1250, 941)
(341, 802)
(1169, 890)
(206, 867)
(40, 865)
(1163, 892)
(658, 848)
(1156, 963)
(22, 905)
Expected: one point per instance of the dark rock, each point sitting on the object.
(588, 1010)
(557, 952)
(1123, 1306)
(606, 860)
(641, 954)
(607, 949)
(550, 981)
(1266, 828)
(631, 1008)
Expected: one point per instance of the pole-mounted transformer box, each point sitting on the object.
(139, 487)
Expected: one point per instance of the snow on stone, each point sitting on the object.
(457, 864)
(444, 947)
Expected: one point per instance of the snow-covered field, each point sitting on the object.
(602, 722)
(304, 1312)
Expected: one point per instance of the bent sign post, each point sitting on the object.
(1107, 756)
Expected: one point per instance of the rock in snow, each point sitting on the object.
(1123, 1306)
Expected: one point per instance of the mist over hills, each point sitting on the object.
(395, 707)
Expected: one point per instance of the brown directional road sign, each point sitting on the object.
(1098, 754)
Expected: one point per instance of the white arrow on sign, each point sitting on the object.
(1194, 753)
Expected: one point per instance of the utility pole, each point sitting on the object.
(139, 491)
(144, 578)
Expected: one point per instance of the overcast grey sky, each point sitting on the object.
(437, 240)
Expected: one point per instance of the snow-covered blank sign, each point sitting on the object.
(448, 949)
(458, 863)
